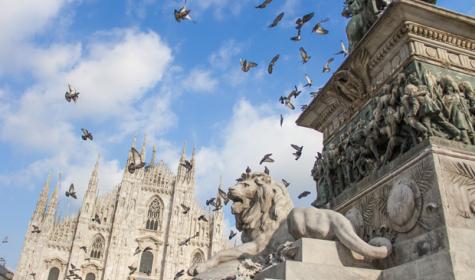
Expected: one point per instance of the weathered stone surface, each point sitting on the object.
(308, 271)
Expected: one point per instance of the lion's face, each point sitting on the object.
(258, 202)
(242, 194)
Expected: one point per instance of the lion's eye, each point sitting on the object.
(246, 185)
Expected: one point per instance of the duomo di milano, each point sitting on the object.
(143, 211)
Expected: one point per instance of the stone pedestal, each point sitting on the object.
(399, 156)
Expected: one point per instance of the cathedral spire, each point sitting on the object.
(144, 147)
(53, 203)
(154, 155)
(183, 153)
(92, 186)
(42, 200)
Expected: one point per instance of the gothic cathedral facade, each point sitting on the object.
(102, 241)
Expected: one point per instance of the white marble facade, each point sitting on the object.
(143, 210)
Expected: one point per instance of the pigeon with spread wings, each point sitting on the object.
(266, 158)
(71, 94)
(298, 151)
(182, 14)
(71, 192)
(86, 134)
(318, 28)
(247, 65)
(187, 241)
(136, 161)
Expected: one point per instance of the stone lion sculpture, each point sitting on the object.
(265, 216)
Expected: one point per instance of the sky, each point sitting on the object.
(142, 74)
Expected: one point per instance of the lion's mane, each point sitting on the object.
(271, 206)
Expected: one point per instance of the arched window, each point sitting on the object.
(146, 262)
(97, 248)
(153, 215)
(90, 276)
(197, 257)
(53, 274)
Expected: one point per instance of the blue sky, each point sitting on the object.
(141, 73)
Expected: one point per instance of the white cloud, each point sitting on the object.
(252, 132)
(115, 72)
(201, 80)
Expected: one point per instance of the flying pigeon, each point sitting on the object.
(304, 194)
(232, 234)
(318, 29)
(287, 102)
(182, 14)
(294, 93)
(187, 164)
(185, 208)
(84, 248)
(344, 51)
(210, 201)
(202, 218)
(298, 151)
(248, 170)
(303, 54)
(71, 192)
(5, 240)
(286, 184)
(187, 241)
(132, 269)
(281, 120)
(137, 250)
(179, 274)
(270, 68)
(263, 4)
(309, 81)
(247, 65)
(137, 161)
(86, 134)
(71, 94)
(266, 170)
(224, 196)
(36, 229)
(326, 67)
(277, 19)
(266, 158)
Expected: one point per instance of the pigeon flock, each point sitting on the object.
(137, 162)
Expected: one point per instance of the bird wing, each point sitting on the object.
(136, 157)
(277, 20)
(303, 53)
(307, 17)
(307, 78)
(295, 147)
